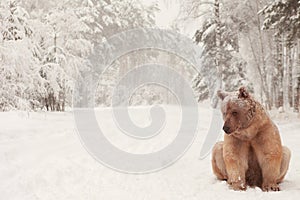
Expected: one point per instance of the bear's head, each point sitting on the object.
(238, 109)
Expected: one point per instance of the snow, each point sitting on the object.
(42, 158)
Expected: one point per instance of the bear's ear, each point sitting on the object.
(243, 93)
(222, 94)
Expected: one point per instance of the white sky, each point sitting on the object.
(169, 10)
(167, 14)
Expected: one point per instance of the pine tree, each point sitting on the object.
(228, 62)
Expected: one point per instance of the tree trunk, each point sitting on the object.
(297, 94)
(218, 53)
(263, 68)
(297, 80)
(279, 102)
(290, 75)
(263, 81)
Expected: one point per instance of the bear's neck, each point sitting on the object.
(261, 116)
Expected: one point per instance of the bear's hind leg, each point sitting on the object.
(218, 164)
(286, 156)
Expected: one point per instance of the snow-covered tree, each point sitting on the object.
(220, 40)
(19, 67)
(65, 52)
(284, 18)
(45, 49)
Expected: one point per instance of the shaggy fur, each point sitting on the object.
(252, 153)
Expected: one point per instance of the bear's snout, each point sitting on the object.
(226, 129)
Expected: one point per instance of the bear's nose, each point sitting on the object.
(226, 129)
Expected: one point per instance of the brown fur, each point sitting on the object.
(252, 153)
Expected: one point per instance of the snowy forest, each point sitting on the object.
(117, 99)
(44, 46)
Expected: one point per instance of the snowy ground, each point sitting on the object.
(42, 158)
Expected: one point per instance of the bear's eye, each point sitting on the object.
(234, 113)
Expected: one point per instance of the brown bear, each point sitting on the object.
(251, 153)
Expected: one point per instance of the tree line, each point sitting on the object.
(44, 47)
